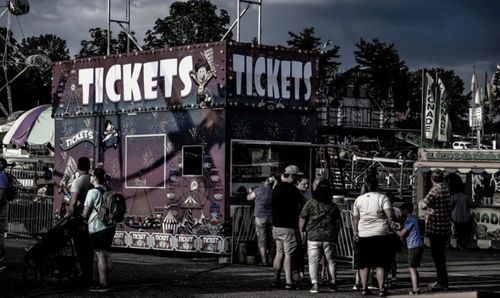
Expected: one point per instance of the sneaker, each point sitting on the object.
(314, 289)
(435, 287)
(356, 287)
(100, 289)
(414, 292)
(372, 287)
(333, 288)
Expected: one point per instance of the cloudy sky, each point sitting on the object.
(454, 34)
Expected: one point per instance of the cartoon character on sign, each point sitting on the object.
(204, 71)
(111, 135)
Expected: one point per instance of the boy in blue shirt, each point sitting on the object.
(414, 243)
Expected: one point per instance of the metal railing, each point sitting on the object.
(30, 215)
(243, 231)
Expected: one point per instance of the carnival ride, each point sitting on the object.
(41, 62)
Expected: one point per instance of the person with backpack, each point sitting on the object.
(4, 207)
(101, 233)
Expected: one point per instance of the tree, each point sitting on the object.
(98, 43)
(194, 21)
(381, 69)
(34, 86)
(328, 66)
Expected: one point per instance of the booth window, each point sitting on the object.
(192, 160)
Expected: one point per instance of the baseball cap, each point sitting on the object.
(292, 170)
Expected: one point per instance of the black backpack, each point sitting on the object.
(113, 207)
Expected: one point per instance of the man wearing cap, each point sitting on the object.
(285, 212)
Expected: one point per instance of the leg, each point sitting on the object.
(438, 244)
(287, 265)
(414, 278)
(329, 248)
(380, 272)
(278, 261)
(280, 253)
(102, 266)
(363, 274)
(260, 230)
(314, 254)
(289, 248)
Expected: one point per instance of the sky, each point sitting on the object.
(453, 34)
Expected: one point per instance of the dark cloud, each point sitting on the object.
(454, 34)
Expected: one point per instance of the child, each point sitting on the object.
(414, 243)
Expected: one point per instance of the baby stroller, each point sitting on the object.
(64, 252)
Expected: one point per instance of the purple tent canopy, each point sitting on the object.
(19, 133)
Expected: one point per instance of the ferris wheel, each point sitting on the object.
(40, 62)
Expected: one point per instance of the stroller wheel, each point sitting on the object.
(30, 274)
(50, 274)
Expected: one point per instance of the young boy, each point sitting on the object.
(414, 243)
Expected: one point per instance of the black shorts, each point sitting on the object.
(102, 240)
(415, 256)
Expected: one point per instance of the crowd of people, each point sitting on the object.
(292, 222)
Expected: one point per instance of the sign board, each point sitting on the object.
(476, 117)
(488, 223)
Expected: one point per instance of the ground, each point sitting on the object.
(146, 274)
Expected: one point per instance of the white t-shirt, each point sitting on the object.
(370, 209)
(93, 201)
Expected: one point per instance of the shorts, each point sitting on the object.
(263, 229)
(102, 240)
(415, 256)
(285, 240)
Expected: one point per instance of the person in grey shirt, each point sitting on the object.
(79, 188)
(263, 217)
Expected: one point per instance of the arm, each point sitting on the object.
(393, 225)
(251, 196)
(72, 204)
(302, 225)
(86, 212)
(401, 233)
(355, 231)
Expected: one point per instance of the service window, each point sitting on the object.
(192, 160)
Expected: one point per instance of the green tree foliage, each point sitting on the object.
(193, 21)
(327, 61)
(34, 86)
(98, 43)
(380, 68)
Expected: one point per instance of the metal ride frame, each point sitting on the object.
(121, 24)
(41, 62)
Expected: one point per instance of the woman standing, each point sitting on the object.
(101, 234)
(320, 221)
(372, 222)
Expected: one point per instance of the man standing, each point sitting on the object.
(263, 217)
(4, 208)
(437, 206)
(285, 212)
(80, 187)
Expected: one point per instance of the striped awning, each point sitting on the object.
(463, 167)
